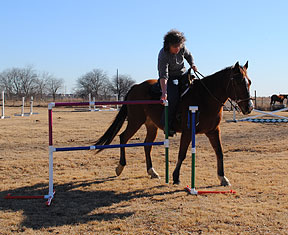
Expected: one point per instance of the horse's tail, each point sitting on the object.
(115, 127)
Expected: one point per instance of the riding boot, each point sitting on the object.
(171, 119)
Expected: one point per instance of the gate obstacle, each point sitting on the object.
(192, 190)
(52, 149)
(258, 119)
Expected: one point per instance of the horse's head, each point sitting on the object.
(284, 96)
(239, 88)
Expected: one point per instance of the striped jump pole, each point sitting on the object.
(192, 190)
(52, 149)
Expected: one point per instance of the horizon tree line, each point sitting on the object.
(25, 82)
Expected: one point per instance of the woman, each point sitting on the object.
(171, 68)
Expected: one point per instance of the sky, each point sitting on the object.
(69, 38)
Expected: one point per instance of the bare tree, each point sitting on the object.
(6, 82)
(121, 85)
(19, 81)
(106, 92)
(92, 82)
(53, 85)
(41, 84)
(27, 78)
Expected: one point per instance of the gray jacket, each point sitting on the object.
(170, 65)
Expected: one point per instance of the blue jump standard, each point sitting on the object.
(106, 146)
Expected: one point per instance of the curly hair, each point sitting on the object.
(173, 37)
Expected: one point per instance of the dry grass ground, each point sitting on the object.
(91, 200)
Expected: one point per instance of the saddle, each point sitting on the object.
(185, 81)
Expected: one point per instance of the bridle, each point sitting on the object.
(236, 100)
(232, 81)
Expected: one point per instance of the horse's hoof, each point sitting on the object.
(153, 174)
(119, 169)
(224, 181)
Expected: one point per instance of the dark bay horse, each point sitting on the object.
(277, 98)
(209, 94)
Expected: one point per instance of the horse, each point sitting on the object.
(278, 98)
(209, 94)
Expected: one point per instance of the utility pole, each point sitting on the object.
(117, 85)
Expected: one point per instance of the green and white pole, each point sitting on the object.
(166, 143)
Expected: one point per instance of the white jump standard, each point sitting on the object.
(23, 114)
(3, 106)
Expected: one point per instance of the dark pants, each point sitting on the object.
(173, 99)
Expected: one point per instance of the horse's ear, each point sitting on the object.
(246, 65)
(236, 67)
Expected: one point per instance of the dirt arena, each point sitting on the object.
(89, 198)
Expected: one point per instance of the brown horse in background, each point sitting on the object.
(277, 98)
(209, 94)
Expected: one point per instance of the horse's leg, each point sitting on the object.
(215, 140)
(150, 137)
(184, 143)
(132, 127)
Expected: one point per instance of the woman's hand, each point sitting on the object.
(163, 96)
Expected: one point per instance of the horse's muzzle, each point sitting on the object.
(248, 109)
(246, 106)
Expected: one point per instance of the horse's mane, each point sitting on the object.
(218, 74)
(212, 81)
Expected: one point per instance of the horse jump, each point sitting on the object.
(257, 118)
(23, 114)
(52, 149)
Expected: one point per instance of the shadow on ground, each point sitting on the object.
(71, 205)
